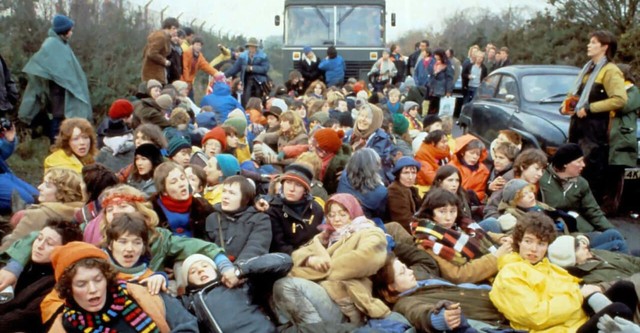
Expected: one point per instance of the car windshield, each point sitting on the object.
(334, 25)
(546, 87)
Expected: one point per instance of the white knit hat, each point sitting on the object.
(562, 251)
(192, 259)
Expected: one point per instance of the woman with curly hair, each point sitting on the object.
(317, 89)
(75, 146)
(291, 139)
(95, 300)
(61, 195)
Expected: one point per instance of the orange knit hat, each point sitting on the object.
(217, 133)
(67, 255)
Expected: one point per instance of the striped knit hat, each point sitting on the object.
(299, 173)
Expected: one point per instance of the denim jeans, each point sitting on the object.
(609, 240)
(491, 224)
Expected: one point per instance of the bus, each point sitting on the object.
(355, 27)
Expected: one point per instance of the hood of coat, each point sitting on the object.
(221, 89)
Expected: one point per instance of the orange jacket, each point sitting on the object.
(429, 158)
(189, 69)
(471, 180)
(256, 117)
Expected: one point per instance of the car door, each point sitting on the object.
(487, 117)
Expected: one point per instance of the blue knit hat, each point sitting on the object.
(61, 24)
(228, 164)
(176, 144)
(307, 49)
(206, 120)
(403, 162)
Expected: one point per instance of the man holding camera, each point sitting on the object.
(11, 184)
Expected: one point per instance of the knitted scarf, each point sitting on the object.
(122, 307)
(356, 225)
(464, 242)
(414, 122)
(594, 69)
(175, 205)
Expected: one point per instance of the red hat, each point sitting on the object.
(357, 87)
(217, 133)
(67, 255)
(120, 109)
(329, 140)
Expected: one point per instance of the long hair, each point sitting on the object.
(69, 184)
(363, 170)
(437, 198)
(313, 85)
(135, 198)
(66, 131)
(296, 124)
(443, 173)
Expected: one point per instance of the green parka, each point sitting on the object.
(606, 266)
(623, 149)
(577, 197)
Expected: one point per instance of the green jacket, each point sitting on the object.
(606, 266)
(55, 61)
(623, 144)
(577, 198)
(165, 247)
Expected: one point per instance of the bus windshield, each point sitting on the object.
(341, 25)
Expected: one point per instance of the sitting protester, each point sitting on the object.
(537, 296)
(118, 148)
(96, 178)
(217, 169)
(468, 157)
(75, 146)
(362, 179)
(22, 311)
(147, 158)
(96, 300)
(504, 154)
(433, 153)
(404, 199)
(179, 151)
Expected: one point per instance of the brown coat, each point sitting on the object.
(474, 271)
(35, 218)
(153, 306)
(353, 259)
(155, 55)
(402, 203)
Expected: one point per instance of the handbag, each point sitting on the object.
(447, 105)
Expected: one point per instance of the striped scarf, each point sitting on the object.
(465, 241)
(122, 305)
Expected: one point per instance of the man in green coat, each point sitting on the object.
(55, 75)
(562, 187)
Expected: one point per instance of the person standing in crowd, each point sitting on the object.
(192, 61)
(472, 75)
(490, 61)
(158, 48)
(602, 95)
(441, 80)
(56, 75)
(400, 62)
(8, 89)
(188, 37)
(421, 46)
(174, 72)
(309, 67)
(455, 63)
(504, 57)
(333, 67)
(253, 65)
(383, 70)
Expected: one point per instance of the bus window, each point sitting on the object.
(360, 26)
(309, 25)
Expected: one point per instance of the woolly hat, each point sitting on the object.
(329, 140)
(400, 124)
(164, 101)
(511, 188)
(153, 83)
(298, 172)
(566, 154)
(65, 256)
(179, 116)
(206, 120)
(192, 259)
(116, 128)
(176, 144)
(61, 24)
(151, 152)
(279, 102)
(120, 109)
(238, 120)
(358, 87)
(562, 251)
(403, 162)
(179, 85)
(430, 120)
(228, 164)
(306, 49)
(320, 116)
(409, 82)
(274, 111)
(218, 134)
(408, 105)
(345, 119)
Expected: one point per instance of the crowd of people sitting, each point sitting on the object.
(335, 209)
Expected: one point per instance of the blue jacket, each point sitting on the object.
(442, 83)
(221, 101)
(374, 203)
(6, 149)
(421, 73)
(333, 70)
(383, 145)
(260, 66)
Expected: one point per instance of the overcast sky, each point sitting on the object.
(255, 17)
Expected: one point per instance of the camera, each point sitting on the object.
(5, 124)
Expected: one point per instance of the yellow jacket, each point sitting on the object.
(243, 153)
(60, 159)
(537, 298)
(213, 194)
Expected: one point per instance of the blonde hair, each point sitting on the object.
(179, 116)
(313, 161)
(297, 126)
(394, 91)
(333, 97)
(69, 184)
(142, 206)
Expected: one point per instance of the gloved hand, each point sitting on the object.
(606, 324)
(258, 151)
(507, 222)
